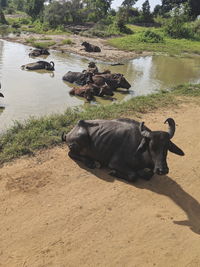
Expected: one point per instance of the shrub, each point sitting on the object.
(149, 36)
(175, 28)
(67, 42)
(43, 44)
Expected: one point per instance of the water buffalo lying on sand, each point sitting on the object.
(39, 65)
(38, 52)
(127, 147)
(89, 90)
(114, 80)
(91, 48)
(81, 78)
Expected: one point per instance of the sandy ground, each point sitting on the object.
(108, 53)
(56, 213)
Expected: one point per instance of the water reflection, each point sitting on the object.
(36, 93)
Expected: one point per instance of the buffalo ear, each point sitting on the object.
(175, 149)
(142, 146)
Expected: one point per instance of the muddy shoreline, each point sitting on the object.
(107, 54)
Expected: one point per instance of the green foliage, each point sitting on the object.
(2, 18)
(97, 9)
(120, 25)
(56, 14)
(170, 45)
(67, 42)
(175, 28)
(149, 36)
(34, 8)
(3, 3)
(43, 44)
(30, 40)
(129, 3)
(146, 13)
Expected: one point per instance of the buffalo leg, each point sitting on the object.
(87, 161)
(146, 174)
(122, 171)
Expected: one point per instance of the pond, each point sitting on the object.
(36, 93)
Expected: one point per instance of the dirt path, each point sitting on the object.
(108, 53)
(54, 213)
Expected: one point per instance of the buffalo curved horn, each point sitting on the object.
(172, 127)
(63, 137)
(144, 132)
(52, 63)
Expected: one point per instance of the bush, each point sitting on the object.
(67, 42)
(43, 44)
(150, 37)
(175, 28)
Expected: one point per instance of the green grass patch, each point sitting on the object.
(168, 45)
(30, 40)
(43, 44)
(67, 42)
(45, 38)
(25, 138)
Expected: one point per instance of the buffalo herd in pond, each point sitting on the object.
(126, 147)
(91, 82)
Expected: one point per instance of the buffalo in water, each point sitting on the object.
(114, 80)
(89, 90)
(39, 52)
(80, 78)
(127, 147)
(91, 48)
(39, 65)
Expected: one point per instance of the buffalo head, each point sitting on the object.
(106, 90)
(123, 83)
(85, 44)
(157, 143)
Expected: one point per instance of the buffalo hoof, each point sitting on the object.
(90, 164)
(132, 178)
(97, 164)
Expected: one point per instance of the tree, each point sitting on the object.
(98, 8)
(128, 3)
(56, 14)
(125, 9)
(146, 13)
(75, 8)
(157, 10)
(34, 7)
(3, 3)
(194, 7)
(2, 18)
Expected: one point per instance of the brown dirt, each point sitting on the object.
(56, 213)
(108, 53)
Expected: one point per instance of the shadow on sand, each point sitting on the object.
(163, 185)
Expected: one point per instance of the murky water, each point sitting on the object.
(31, 93)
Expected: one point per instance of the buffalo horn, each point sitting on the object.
(63, 136)
(172, 127)
(143, 131)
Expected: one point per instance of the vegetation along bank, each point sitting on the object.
(25, 139)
